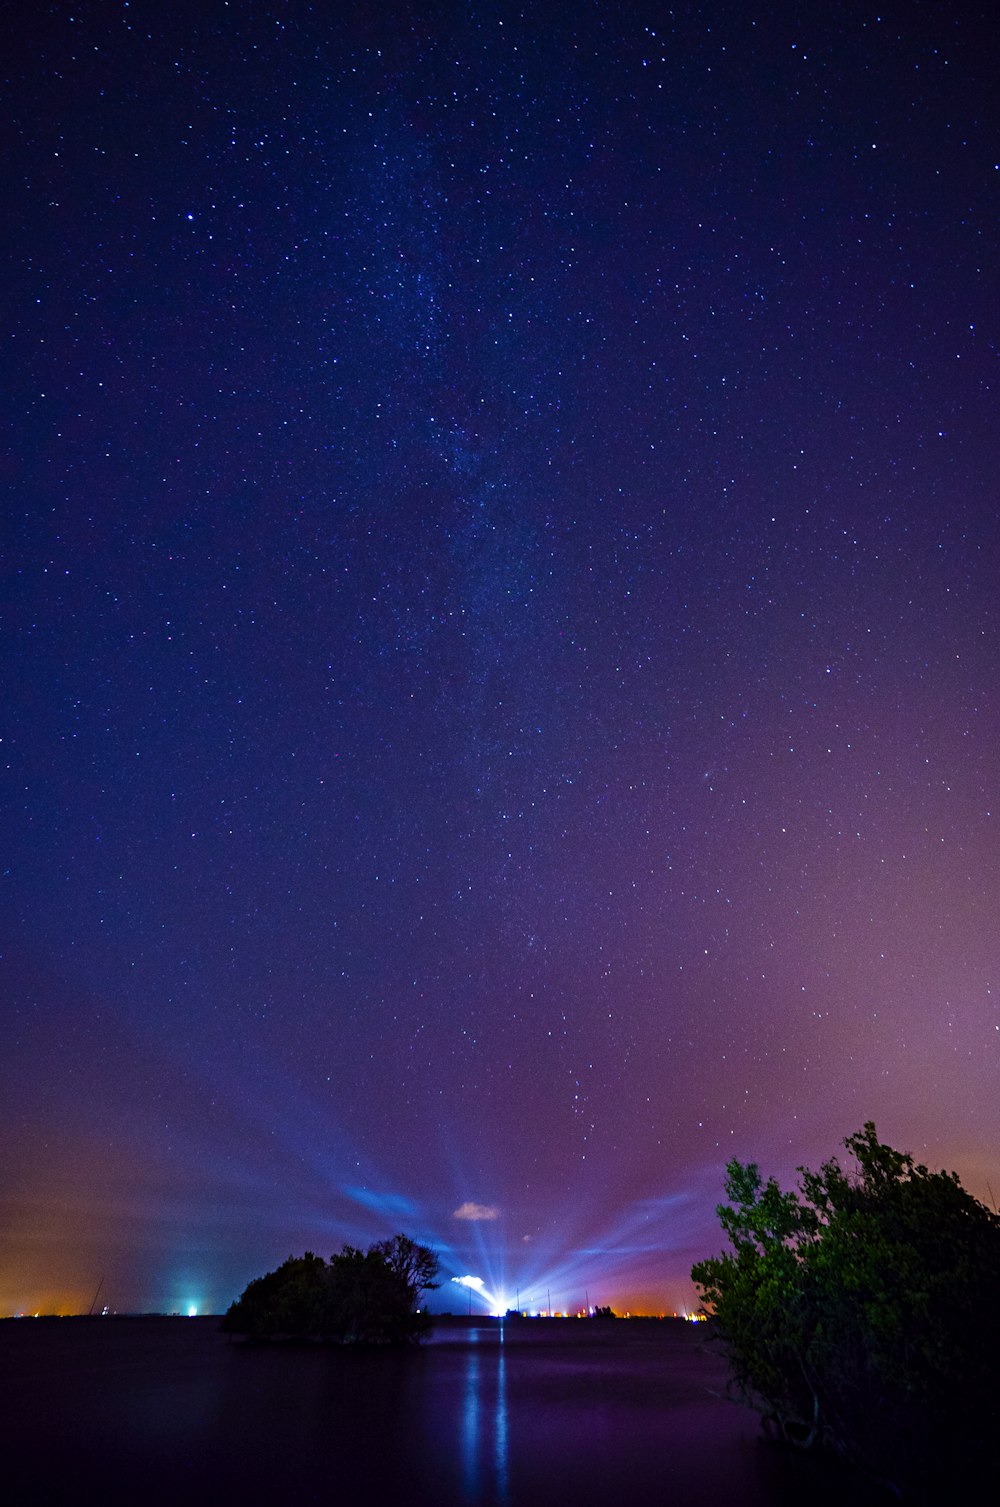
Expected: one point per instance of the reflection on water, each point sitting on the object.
(501, 1422)
(470, 1422)
(484, 1428)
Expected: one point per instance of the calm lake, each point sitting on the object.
(138, 1411)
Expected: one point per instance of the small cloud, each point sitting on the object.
(527, 1239)
(476, 1211)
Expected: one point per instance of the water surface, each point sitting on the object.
(527, 1414)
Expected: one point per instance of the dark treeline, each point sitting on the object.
(358, 1297)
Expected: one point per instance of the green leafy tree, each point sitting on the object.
(367, 1297)
(863, 1312)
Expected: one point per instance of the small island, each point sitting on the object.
(359, 1297)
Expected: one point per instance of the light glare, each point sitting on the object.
(476, 1283)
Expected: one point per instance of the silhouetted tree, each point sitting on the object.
(290, 1301)
(863, 1313)
(415, 1264)
(365, 1297)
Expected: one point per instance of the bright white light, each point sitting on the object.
(476, 1283)
(192, 1313)
(498, 1305)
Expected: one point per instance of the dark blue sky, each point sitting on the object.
(500, 628)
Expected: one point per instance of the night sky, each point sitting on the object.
(501, 629)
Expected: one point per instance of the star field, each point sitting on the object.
(501, 629)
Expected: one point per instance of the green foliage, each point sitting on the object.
(862, 1312)
(368, 1297)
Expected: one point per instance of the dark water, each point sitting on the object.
(137, 1411)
